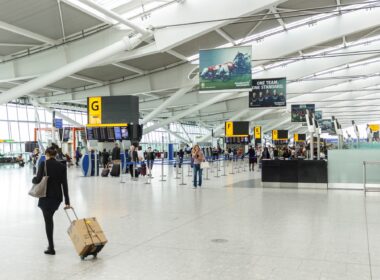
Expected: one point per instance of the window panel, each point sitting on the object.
(3, 112)
(22, 113)
(15, 136)
(24, 132)
(41, 115)
(31, 114)
(4, 132)
(12, 112)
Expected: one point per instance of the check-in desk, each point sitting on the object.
(294, 173)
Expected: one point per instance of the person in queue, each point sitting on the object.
(150, 156)
(116, 153)
(133, 155)
(198, 157)
(56, 185)
(265, 154)
(105, 158)
(251, 158)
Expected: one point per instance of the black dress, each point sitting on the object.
(57, 184)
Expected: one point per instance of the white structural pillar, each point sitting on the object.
(181, 92)
(213, 100)
(69, 69)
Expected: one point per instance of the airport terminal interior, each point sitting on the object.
(190, 139)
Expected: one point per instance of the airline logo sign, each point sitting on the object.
(229, 129)
(94, 107)
(257, 132)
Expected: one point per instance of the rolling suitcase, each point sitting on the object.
(105, 172)
(86, 234)
(143, 169)
(115, 171)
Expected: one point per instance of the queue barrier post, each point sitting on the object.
(162, 170)
(182, 179)
(224, 168)
(217, 169)
(207, 178)
(177, 168)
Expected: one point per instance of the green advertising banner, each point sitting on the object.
(298, 112)
(225, 69)
(268, 93)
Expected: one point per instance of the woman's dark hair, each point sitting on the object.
(51, 152)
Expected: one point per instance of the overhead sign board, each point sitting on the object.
(257, 132)
(94, 107)
(236, 129)
(279, 135)
(58, 123)
(299, 137)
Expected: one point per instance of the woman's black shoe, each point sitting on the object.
(50, 251)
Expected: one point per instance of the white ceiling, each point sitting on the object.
(42, 28)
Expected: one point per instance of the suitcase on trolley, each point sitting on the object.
(86, 234)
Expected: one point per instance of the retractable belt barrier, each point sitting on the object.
(238, 164)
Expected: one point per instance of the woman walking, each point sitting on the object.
(57, 183)
(198, 157)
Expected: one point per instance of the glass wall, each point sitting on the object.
(18, 122)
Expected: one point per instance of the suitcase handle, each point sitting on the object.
(67, 214)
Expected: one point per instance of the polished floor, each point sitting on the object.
(230, 229)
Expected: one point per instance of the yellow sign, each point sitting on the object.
(296, 137)
(108, 125)
(374, 127)
(274, 134)
(257, 132)
(229, 129)
(94, 110)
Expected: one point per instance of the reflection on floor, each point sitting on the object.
(164, 230)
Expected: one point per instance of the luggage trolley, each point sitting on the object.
(365, 163)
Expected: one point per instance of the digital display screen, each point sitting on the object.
(66, 135)
(110, 134)
(301, 137)
(241, 128)
(90, 133)
(124, 133)
(282, 135)
(117, 132)
(120, 109)
(102, 134)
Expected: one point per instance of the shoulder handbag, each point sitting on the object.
(39, 190)
(205, 164)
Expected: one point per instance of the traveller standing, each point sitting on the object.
(116, 153)
(198, 157)
(251, 157)
(150, 156)
(181, 154)
(78, 155)
(57, 183)
(134, 159)
(105, 158)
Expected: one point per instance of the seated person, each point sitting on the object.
(20, 161)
